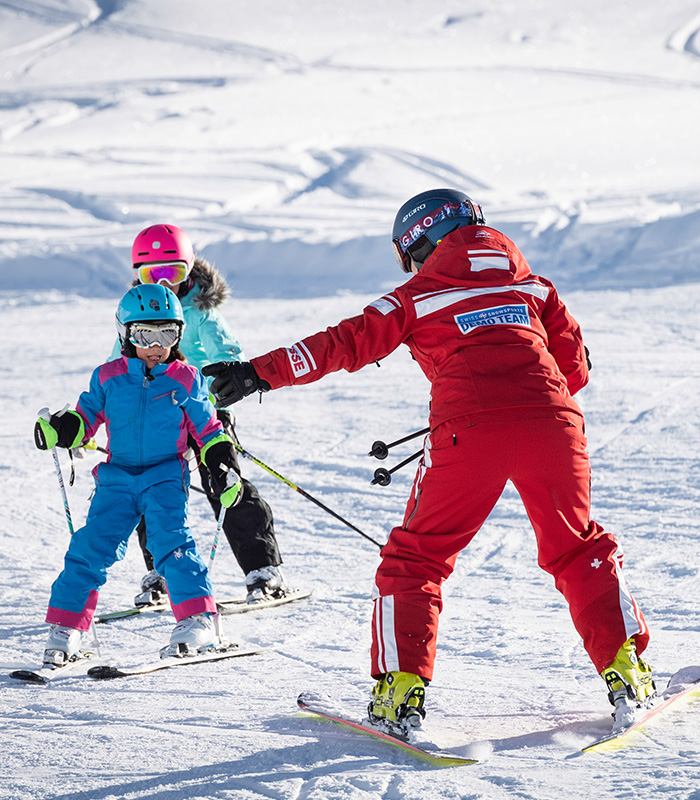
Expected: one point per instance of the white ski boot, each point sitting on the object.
(266, 583)
(63, 645)
(194, 635)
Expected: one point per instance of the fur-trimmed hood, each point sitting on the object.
(213, 289)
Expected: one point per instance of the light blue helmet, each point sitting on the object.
(148, 302)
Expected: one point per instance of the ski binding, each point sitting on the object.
(683, 687)
(48, 672)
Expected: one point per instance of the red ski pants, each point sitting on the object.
(463, 471)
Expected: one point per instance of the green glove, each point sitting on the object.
(219, 457)
(65, 429)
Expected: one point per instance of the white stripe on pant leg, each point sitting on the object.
(631, 619)
(377, 630)
(388, 657)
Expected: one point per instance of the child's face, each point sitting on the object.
(153, 355)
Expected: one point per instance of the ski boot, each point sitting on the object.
(266, 583)
(195, 634)
(397, 703)
(630, 684)
(63, 645)
(153, 590)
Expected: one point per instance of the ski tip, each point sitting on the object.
(104, 672)
(308, 701)
(28, 676)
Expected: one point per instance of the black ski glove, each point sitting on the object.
(220, 459)
(234, 380)
(65, 429)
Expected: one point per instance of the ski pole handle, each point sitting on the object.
(46, 414)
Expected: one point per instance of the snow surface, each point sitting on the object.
(283, 137)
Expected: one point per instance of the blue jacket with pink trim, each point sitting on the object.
(148, 415)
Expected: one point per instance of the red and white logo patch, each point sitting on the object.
(300, 359)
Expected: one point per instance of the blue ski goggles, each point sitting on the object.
(145, 334)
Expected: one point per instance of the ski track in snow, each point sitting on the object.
(687, 38)
(83, 149)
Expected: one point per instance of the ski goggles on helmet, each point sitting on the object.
(172, 272)
(150, 334)
(415, 242)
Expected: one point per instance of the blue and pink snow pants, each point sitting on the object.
(122, 496)
(464, 469)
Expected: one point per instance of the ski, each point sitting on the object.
(683, 687)
(134, 611)
(226, 607)
(47, 673)
(322, 708)
(106, 671)
(240, 606)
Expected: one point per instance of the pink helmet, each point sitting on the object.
(162, 243)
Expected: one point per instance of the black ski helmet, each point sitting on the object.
(423, 221)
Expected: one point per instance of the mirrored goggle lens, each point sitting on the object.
(145, 336)
(402, 258)
(173, 273)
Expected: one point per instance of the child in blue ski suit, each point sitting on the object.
(164, 254)
(149, 401)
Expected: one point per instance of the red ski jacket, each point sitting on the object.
(488, 334)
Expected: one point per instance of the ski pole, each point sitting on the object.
(296, 488)
(232, 479)
(217, 536)
(380, 450)
(262, 465)
(383, 476)
(46, 414)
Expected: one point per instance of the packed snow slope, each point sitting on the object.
(283, 138)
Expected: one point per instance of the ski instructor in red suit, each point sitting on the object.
(504, 358)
